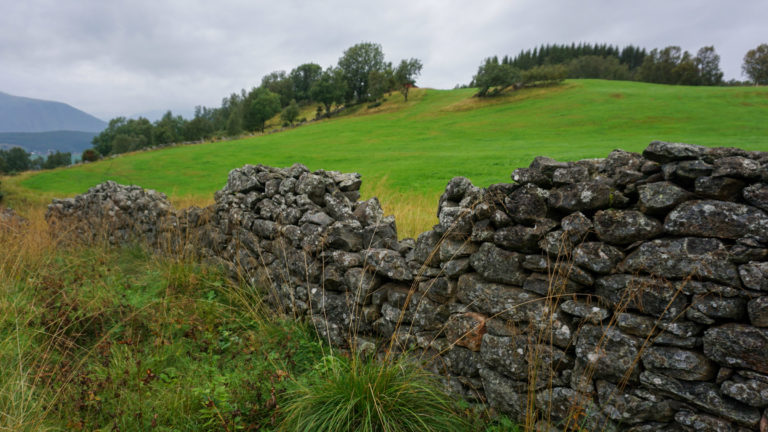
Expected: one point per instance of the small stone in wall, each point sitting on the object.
(758, 311)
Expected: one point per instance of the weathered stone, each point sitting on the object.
(720, 188)
(427, 314)
(368, 212)
(698, 422)
(751, 392)
(482, 231)
(452, 249)
(757, 195)
(717, 219)
(738, 345)
(522, 238)
(758, 311)
(688, 171)
(456, 267)
(754, 275)
(455, 222)
(717, 307)
(506, 302)
(456, 188)
(313, 186)
(570, 175)
(243, 180)
(498, 265)
(517, 356)
(703, 395)
(679, 363)
(625, 226)
(633, 407)
(462, 361)
(546, 285)
(660, 197)
(439, 289)
(466, 330)
(501, 393)
(526, 176)
(345, 235)
(387, 263)
(737, 166)
(597, 257)
(683, 257)
(317, 218)
(361, 282)
(590, 195)
(584, 310)
(426, 250)
(664, 152)
(612, 354)
(527, 204)
(500, 219)
(381, 235)
(538, 263)
(649, 295)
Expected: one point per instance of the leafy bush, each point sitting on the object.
(362, 394)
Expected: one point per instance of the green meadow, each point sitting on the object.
(410, 150)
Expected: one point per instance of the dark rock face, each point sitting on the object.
(680, 258)
(563, 292)
(625, 226)
(717, 219)
(738, 345)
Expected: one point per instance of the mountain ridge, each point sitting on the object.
(24, 114)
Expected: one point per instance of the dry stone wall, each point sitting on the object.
(624, 293)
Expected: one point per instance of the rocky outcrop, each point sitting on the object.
(628, 293)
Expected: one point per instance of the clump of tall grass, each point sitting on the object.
(352, 393)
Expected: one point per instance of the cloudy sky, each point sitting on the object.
(120, 57)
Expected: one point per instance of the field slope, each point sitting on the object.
(415, 148)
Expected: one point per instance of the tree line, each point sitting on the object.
(361, 75)
(552, 63)
(16, 159)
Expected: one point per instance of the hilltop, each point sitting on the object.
(21, 114)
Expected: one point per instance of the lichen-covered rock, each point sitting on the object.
(683, 257)
(719, 188)
(612, 354)
(498, 265)
(679, 363)
(660, 197)
(597, 257)
(705, 396)
(652, 296)
(738, 345)
(737, 166)
(752, 392)
(589, 195)
(758, 311)
(492, 299)
(388, 263)
(704, 423)
(663, 152)
(466, 330)
(754, 275)
(632, 407)
(502, 393)
(757, 195)
(588, 312)
(517, 357)
(717, 219)
(625, 226)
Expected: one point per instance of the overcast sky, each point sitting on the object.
(119, 57)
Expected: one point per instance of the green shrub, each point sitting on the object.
(365, 395)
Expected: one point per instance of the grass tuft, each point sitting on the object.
(361, 394)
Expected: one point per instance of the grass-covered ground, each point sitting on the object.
(124, 339)
(407, 152)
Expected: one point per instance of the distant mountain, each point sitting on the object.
(44, 142)
(20, 114)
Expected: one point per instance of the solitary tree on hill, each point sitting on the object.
(357, 63)
(406, 73)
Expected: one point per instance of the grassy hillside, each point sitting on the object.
(413, 149)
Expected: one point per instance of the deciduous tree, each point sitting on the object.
(356, 64)
(406, 73)
(756, 64)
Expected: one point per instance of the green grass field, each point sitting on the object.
(413, 149)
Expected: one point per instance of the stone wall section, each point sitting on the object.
(624, 293)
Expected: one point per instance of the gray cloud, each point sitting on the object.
(123, 57)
